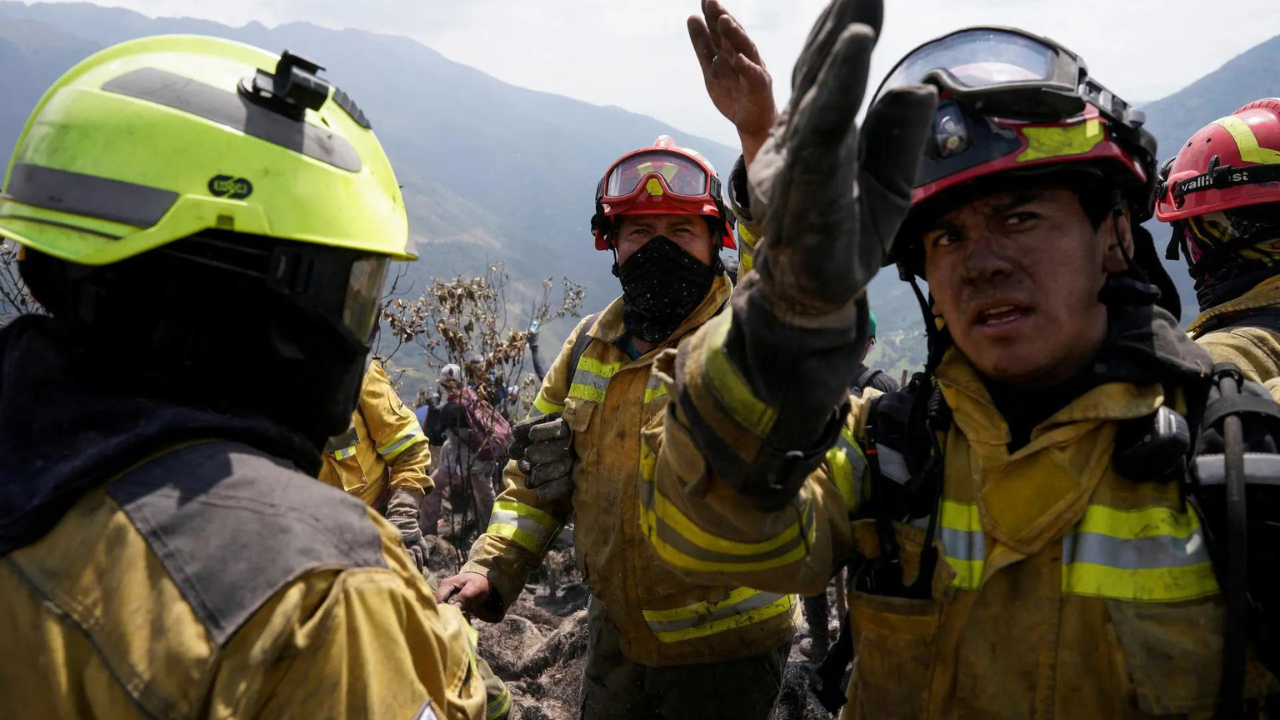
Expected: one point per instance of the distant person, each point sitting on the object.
(463, 458)
(658, 647)
(731, 264)
(212, 282)
(872, 377)
(1222, 196)
(382, 459)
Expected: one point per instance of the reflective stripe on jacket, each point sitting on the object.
(663, 620)
(384, 450)
(1068, 590)
(1255, 350)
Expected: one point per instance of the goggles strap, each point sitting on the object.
(1225, 176)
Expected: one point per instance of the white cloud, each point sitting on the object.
(637, 55)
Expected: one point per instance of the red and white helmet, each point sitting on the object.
(1017, 105)
(662, 179)
(1230, 163)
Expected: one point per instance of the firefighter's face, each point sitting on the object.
(1015, 275)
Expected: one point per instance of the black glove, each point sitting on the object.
(543, 450)
(402, 511)
(829, 201)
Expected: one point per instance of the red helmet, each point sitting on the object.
(663, 179)
(1015, 103)
(1231, 163)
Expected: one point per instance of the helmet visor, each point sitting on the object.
(674, 173)
(977, 59)
(364, 294)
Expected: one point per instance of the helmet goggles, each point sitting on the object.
(1009, 73)
(657, 173)
(661, 179)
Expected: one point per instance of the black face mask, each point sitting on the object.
(661, 285)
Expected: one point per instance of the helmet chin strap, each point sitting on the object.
(1134, 286)
(935, 338)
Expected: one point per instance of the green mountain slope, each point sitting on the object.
(496, 172)
(490, 171)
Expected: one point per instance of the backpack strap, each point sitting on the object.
(906, 483)
(580, 344)
(865, 378)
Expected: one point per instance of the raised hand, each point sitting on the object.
(830, 202)
(736, 77)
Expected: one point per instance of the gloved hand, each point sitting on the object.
(543, 449)
(830, 202)
(402, 511)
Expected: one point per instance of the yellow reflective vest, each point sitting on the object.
(1255, 350)
(385, 448)
(663, 619)
(1067, 591)
(214, 581)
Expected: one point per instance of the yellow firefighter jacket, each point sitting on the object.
(215, 581)
(385, 448)
(1067, 592)
(663, 619)
(1255, 350)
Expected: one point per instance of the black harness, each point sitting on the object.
(906, 464)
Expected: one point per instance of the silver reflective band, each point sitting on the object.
(892, 464)
(1158, 551)
(753, 602)
(590, 379)
(1259, 469)
(965, 545)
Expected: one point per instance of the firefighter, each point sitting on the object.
(382, 459)
(1017, 518)
(658, 646)
(209, 226)
(1221, 194)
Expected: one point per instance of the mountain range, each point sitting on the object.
(494, 172)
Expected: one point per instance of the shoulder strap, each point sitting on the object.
(580, 344)
(894, 496)
(865, 378)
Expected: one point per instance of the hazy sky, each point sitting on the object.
(636, 54)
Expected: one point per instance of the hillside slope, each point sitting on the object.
(490, 171)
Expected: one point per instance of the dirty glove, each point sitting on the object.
(830, 202)
(543, 450)
(402, 511)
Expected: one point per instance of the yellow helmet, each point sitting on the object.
(158, 139)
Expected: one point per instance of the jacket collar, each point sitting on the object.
(1031, 497)
(1143, 349)
(71, 419)
(1264, 294)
